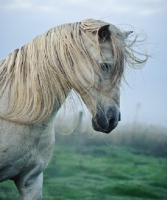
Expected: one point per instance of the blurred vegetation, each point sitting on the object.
(99, 173)
(145, 139)
(130, 163)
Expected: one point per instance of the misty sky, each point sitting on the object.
(146, 98)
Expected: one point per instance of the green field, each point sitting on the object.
(100, 172)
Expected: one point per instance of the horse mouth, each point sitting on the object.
(105, 128)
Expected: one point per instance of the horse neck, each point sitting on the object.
(58, 105)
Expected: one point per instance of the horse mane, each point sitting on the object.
(40, 74)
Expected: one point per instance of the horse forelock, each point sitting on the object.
(40, 74)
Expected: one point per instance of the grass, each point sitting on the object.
(100, 173)
(128, 164)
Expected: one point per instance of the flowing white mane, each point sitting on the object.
(40, 74)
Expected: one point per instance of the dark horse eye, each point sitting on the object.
(105, 66)
(103, 32)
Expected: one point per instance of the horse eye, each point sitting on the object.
(105, 67)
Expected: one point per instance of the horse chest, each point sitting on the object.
(24, 148)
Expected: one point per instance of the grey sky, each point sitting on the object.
(145, 101)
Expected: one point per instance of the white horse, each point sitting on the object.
(89, 57)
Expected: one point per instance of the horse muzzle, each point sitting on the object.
(106, 122)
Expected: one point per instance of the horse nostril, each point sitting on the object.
(112, 121)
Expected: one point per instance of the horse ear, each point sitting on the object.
(103, 32)
(127, 33)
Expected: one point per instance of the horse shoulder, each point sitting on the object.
(23, 147)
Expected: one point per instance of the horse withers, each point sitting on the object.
(89, 57)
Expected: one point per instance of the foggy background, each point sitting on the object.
(146, 99)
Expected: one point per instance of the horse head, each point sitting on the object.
(88, 57)
(105, 89)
